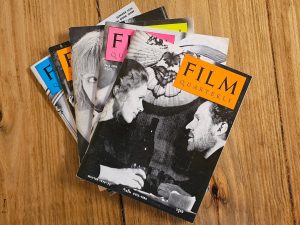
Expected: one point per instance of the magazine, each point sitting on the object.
(158, 142)
(47, 77)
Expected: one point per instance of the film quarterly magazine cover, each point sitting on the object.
(86, 48)
(164, 125)
(47, 77)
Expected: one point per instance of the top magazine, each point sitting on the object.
(164, 125)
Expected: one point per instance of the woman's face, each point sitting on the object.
(131, 104)
(88, 83)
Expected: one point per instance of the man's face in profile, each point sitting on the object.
(202, 129)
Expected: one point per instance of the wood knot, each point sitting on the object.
(219, 193)
(214, 191)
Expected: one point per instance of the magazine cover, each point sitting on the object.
(47, 77)
(159, 143)
(116, 39)
(86, 52)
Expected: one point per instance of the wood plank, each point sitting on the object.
(38, 157)
(285, 32)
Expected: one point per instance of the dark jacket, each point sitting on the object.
(200, 172)
(108, 146)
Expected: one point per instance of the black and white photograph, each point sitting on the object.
(153, 141)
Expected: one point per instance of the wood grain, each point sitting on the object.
(257, 178)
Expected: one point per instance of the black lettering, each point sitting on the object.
(48, 72)
(200, 73)
(226, 86)
(116, 40)
(208, 78)
(129, 39)
(188, 68)
(68, 58)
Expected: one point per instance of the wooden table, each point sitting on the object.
(257, 178)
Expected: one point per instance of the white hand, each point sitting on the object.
(131, 177)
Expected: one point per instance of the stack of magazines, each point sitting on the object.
(149, 102)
